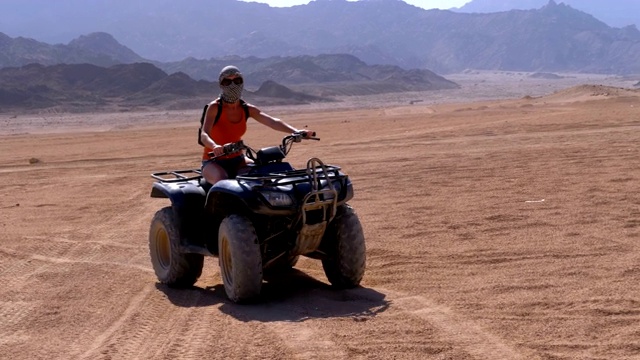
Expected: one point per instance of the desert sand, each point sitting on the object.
(496, 229)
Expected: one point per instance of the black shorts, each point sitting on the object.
(231, 166)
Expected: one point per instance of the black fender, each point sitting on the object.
(233, 196)
(346, 191)
(187, 200)
(181, 194)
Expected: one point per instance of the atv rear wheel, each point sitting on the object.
(172, 267)
(240, 258)
(343, 242)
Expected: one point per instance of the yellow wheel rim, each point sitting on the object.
(163, 248)
(226, 264)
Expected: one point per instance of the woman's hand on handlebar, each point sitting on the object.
(217, 150)
(308, 134)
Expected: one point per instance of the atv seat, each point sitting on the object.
(207, 185)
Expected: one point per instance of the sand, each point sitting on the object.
(496, 229)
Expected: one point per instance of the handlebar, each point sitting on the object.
(287, 142)
(229, 148)
(299, 135)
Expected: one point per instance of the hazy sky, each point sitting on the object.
(427, 4)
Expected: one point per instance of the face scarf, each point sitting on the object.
(231, 93)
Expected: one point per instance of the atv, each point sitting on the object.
(262, 220)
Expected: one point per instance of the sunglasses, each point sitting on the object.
(227, 81)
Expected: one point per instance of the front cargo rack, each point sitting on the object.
(328, 172)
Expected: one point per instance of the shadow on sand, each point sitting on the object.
(291, 296)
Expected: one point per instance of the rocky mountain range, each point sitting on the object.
(554, 37)
(309, 53)
(97, 48)
(618, 13)
(87, 87)
(80, 87)
(342, 71)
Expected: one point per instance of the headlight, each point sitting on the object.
(277, 198)
(329, 195)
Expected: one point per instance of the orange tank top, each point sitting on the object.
(224, 132)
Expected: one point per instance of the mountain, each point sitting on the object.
(87, 87)
(103, 44)
(552, 38)
(96, 48)
(40, 86)
(618, 13)
(345, 74)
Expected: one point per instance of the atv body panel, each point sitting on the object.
(201, 207)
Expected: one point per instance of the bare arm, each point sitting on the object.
(273, 122)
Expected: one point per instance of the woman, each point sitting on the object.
(230, 126)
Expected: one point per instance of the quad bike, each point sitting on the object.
(262, 220)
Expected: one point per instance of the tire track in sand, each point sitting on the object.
(96, 346)
(11, 314)
(299, 321)
(305, 341)
(91, 262)
(190, 332)
(307, 338)
(153, 327)
(463, 333)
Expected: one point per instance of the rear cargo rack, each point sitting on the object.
(177, 175)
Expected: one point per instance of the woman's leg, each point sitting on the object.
(243, 166)
(213, 172)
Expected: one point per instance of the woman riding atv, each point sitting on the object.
(225, 122)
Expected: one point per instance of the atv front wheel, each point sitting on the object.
(240, 258)
(343, 242)
(172, 267)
